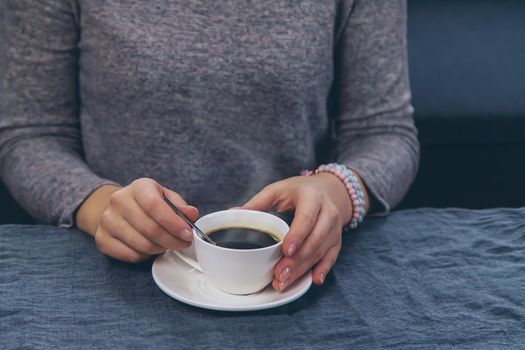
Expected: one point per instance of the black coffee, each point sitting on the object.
(242, 238)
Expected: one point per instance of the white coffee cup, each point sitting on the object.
(236, 271)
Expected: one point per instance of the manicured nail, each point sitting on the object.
(291, 249)
(186, 235)
(191, 206)
(281, 286)
(322, 276)
(285, 274)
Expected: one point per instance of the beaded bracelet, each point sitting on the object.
(352, 185)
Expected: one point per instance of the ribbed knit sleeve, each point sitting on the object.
(375, 130)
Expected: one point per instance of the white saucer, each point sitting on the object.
(190, 286)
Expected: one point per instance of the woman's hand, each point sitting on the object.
(134, 222)
(322, 207)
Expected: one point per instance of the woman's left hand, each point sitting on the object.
(322, 207)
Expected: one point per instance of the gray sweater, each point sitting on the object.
(214, 99)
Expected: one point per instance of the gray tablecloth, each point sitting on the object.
(420, 279)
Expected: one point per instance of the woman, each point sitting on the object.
(108, 104)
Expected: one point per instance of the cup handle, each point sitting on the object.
(189, 257)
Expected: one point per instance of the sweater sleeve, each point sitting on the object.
(41, 159)
(375, 132)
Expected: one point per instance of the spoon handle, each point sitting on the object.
(179, 212)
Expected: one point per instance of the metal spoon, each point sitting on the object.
(179, 212)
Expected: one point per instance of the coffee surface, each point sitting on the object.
(243, 238)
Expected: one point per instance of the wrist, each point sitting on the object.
(88, 214)
(337, 191)
(355, 189)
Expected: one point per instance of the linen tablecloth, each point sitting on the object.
(422, 279)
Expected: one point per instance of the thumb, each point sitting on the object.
(264, 200)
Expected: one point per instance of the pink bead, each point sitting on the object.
(354, 197)
(356, 211)
(351, 190)
(356, 203)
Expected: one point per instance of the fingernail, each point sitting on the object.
(291, 249)
(281, 286)
(186, 235)
(322, 276)
(285, 274)
(191, 206)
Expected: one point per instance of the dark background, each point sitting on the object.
(467, 71)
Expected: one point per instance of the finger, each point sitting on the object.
(149, 198)
(154, 232)
(119, 228)
(111, 246)
(265, 200)
(306, 214)
(324, 266)
(323, 236)
(290, 269)
(190, 211)
(281, 286)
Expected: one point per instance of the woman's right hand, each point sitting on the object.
(136, 222)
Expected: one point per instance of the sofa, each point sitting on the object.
(467, 71)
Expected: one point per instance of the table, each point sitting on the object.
(422, 278)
